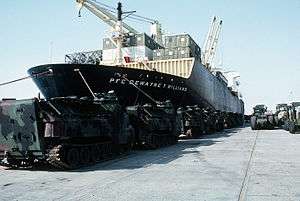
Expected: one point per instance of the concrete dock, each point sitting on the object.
(237, 164)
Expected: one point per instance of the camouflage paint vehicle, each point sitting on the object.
(293, 121)
(66, 132)
(155, 125)
(19, 131)
(192, 121)
(262, 118)
(197, 121)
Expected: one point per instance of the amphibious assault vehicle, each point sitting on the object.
(65, 131)
(69, 132)
(197, 121)
(155, 125)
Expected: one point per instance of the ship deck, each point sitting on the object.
(237, 164)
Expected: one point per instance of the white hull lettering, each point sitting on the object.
(148, 84)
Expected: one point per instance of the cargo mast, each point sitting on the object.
(111, 20)
(210, 44)
(104, 14)
(118, 25)
(119, 36)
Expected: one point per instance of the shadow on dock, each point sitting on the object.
(142, 159)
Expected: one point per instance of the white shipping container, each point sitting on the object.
(135, 53)
(109, 55)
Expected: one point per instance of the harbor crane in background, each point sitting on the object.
(210, 44)
(117, 23)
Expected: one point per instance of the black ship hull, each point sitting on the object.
(64, 81)
(201, 88)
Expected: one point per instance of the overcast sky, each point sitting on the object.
(260, 39)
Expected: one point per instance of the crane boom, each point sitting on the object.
(213, 47)
(104, 15)
(208, 41)
(211, 42)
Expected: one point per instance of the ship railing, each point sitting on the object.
(90, 57)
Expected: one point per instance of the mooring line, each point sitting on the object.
(24, 78)
(17, 80)
(243, 189)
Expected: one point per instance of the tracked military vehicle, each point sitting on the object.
(66, 132)
(293, 121)
(193, 121)
(197, 121)
(261, 118)
(155, 125)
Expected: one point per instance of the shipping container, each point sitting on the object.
(184, 52)
(145, 40)
(139, 53)
(171, 53)
(189, 48)
(128, 41)
(159, 54)
(109, 55)
(171, 41)
(135, 53)
(131, 41)
(182, 40)
(108, 44)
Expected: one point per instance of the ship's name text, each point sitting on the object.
(147, 84)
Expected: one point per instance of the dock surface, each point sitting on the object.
(236, 164)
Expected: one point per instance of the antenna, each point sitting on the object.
(50, 52)
(291, 96)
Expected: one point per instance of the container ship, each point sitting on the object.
(142, 68)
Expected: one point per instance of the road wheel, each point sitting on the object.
(72, 158)
(84, 155)
(292, 128)
(286, 125)
(253, 123)
(94, 153)
(196, 132)
(276, 121)
(271, 121)
(155, 142)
